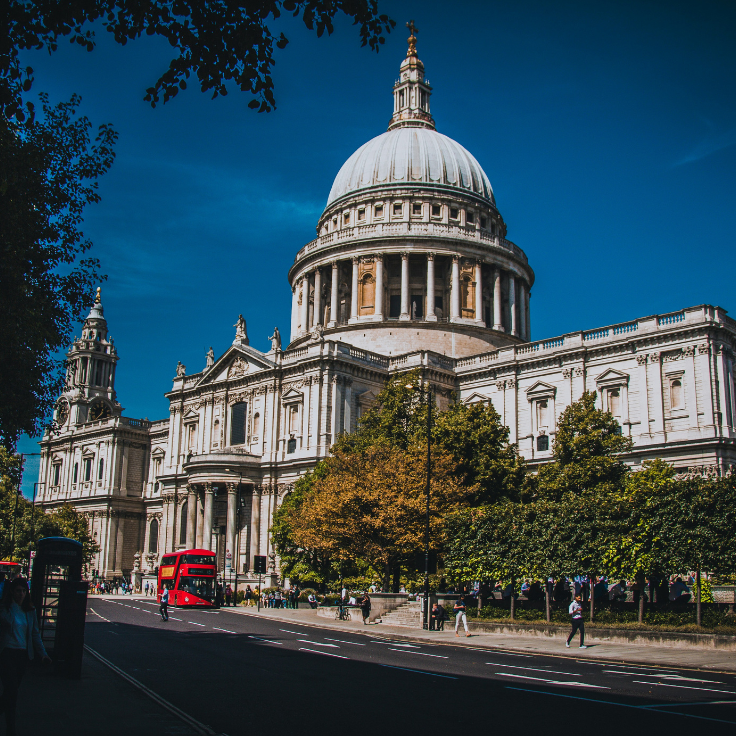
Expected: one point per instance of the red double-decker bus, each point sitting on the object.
(190, 576)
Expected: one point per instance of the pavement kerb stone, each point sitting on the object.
(658, 655)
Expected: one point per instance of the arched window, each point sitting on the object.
(153, 537)
(191, 436)
(216, 433)
(256, 424)
(76, 472)
(101, 469)
(467, 297)
(183, 523)
(367, 294)
(57, 474)
(676, 394)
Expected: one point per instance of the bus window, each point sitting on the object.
(201, 587)
(198, 559)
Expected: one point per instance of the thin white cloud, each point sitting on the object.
(708, 146)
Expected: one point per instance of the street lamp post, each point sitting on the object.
(421, 386)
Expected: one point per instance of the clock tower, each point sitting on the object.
(90, 382)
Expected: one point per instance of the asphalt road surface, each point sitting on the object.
(235, 672)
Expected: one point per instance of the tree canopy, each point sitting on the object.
(49, 169)
(218, 41)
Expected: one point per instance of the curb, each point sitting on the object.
(462, 642)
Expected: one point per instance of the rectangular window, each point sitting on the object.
(346, 217)
(453, 213)
(88, 469)
(394, 310)
(543, 443)
(57, 474)
(361, 214)
(101, 469)
(417, 306)
(416, 208)
(76, 472)
(237, 423)
(436, 210)
(470, 218)
(291, 446)
(379, 210)
(398, 209)
(541, 414)
(483, 222)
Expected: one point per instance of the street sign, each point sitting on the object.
(259, 564)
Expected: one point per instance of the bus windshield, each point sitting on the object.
(198, 559)
(201, 587)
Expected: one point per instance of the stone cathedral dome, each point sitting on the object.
(411, 251)
(411, 156)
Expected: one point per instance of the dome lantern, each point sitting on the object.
(411, 91)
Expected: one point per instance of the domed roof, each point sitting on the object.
(413, 156)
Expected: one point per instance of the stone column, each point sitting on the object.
(209, 502)
(378, 311)
(354, 295)
(232, 500)
(191, 516)
(405, 314)
(497, 317)
(348, 399)
(305, 304)
(294, 310)
(455, 290)
(512, 304)
(255, 526)
(317, 312)
(431, 316)
(200, 524)
(479, 293)
(528, 326)
(333, 296)
(522, 310)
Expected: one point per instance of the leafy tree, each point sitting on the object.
(218, 41)
(30, 522)
(587, 452)
(479, 443)
(370, 506)
(48, 174)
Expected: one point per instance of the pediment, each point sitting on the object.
(367, 398)
(476, 398)
(158, 452)
(236, 362)
(88, 452)
(191, 415)
(612, 377)
(541, 389)
(292, 395)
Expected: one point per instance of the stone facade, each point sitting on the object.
(411, 269)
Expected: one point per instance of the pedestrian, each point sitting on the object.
(146, 588)
(441, 616)
(459, 609)
(576, 611)
(434, 617)
(365, 608)
(228, 595)
(164, 607)
(20, 641)
(248, 595)
(312, 598)
(297, 593)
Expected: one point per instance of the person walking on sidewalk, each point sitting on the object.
(459, 609)
(164, 607)
(576, 611)
(365, 608)
(20, 640)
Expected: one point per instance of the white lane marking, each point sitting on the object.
(498, 651)
(174, 619)
(535, 669)
(319, 644)
(92, 610)
(419, 672)
(345, 642)
(552, 682)
(227, 631)
(300, 633)
(194, 623)
(679, 678)
(423, 654)
(396, 644)
(250, 636)
(316, 651)
(654, 708)
(685, 687)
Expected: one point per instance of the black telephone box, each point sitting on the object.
(60, 598)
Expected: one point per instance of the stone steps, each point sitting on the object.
(407, 614)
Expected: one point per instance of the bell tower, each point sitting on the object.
(90, 380)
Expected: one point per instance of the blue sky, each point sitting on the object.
(607, 129)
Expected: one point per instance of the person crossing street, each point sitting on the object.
(164, 607)
(576, 611)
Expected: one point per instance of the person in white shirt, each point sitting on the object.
(576, 611)
(164, 607)
(20, 641)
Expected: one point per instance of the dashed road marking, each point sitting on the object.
(340, 641)
(684, 687)
(419, 672)
(423, 654)
(326, 654)
(269, 641)
(534, 669)
(319, 644)
(551, 682)
(227, 631)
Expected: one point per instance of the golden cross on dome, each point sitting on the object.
(412, 39)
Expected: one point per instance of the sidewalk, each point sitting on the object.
(101, 702)
(598, 648)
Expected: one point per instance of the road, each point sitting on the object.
(233, 671)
